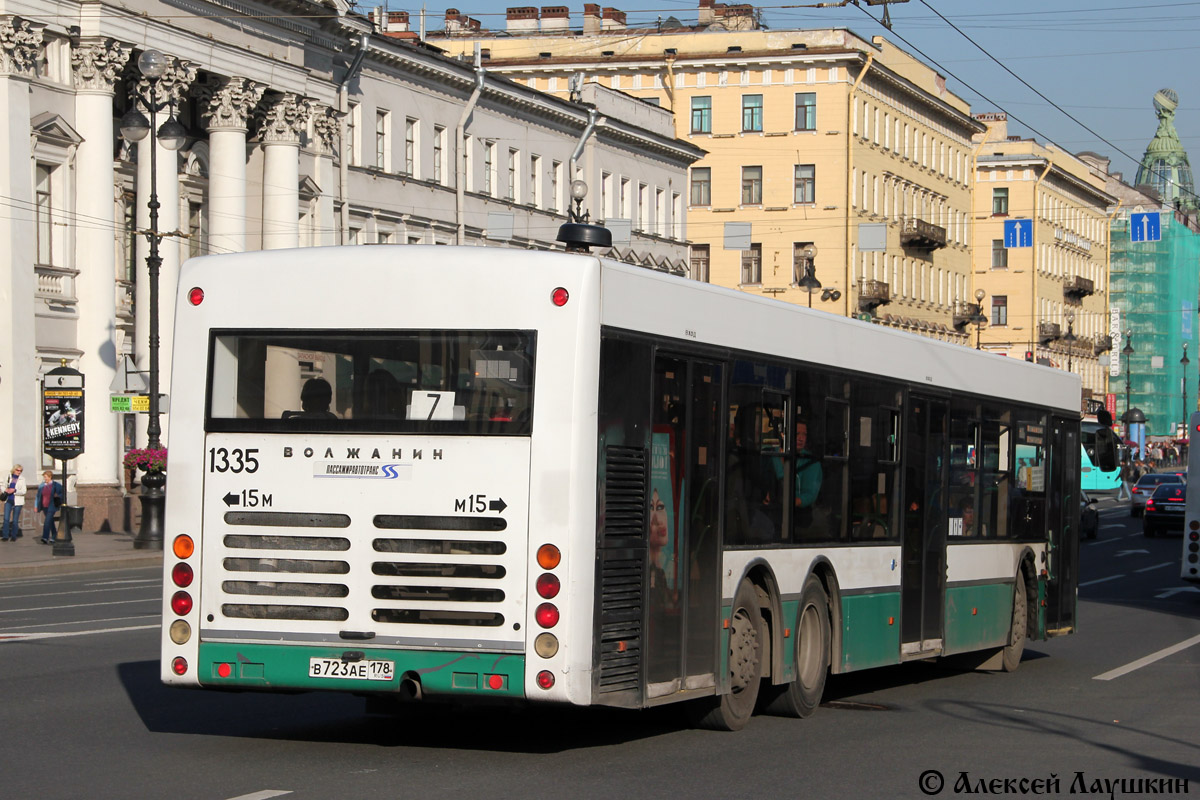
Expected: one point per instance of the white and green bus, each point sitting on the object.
(467, 473)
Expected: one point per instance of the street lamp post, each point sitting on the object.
(808, 282)
(979, 317)
(1070, 338)
(1127, 353)
(1183, 382)
(134, 127)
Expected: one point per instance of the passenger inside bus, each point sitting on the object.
(315, 397)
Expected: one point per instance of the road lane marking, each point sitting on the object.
(263, 795)
(77, 622)
(1150, 659)
(1101, 580)
(64, 594)
(7, 638)
(126, 582)
(1156, 566)
(79, 605)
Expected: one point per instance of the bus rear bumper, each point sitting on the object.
(270, 667)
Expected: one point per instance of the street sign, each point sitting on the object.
(129, 379)
(1018, 233)
(136, 403)
(1145, 227)
(62, 413)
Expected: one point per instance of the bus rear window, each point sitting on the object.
(470, 382)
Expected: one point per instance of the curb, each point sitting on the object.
(69, 565)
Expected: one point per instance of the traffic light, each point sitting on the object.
(1029, 355)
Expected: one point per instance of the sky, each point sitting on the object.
(1100, 62)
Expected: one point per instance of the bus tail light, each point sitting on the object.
(559, 297)
(180, 631)
(182, 575)
(547, 615)
(224, 670)
(183, 546)
(545, 679)
(179, 665)
(196, 295)
(181, 603)
(548, 556)
(548, 586)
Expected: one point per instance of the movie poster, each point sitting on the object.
(62, 421)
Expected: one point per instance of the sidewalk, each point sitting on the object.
(93, 552)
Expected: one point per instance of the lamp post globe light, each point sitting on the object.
(171, 135)
(808, 282)
(979, 317)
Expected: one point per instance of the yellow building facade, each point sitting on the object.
(832, 159)
(1045, 279)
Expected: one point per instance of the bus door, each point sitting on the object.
(1062, 528)
(684, 551)
(923, 548)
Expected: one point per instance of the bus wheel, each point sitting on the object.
(731, 712)
(801, 697)
(1011, 656)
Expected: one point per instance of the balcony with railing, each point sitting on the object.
(966, 313)
(1049, 332)
(56, 284)
(922, 235)
(1102, 344)
(872, 294)
(1078, 287)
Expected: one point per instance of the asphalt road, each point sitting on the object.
(84, 715)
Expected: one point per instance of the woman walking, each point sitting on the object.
(14, 501)
(49, 498)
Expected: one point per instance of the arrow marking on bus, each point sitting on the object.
(497, 505)
(231, 499)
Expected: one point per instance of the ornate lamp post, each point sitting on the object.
(1070, 338)
(134, 127)
(1127, 353)
(808, 282)
(1183, 383)
(979, 317)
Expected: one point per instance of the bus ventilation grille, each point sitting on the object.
(624, 497)
(622, 570)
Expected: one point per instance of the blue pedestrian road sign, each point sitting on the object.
(1018, 233)
(1145, 227)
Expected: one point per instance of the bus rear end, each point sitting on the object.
(349, 506)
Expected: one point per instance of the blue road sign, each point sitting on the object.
(1018, 233)
(1145, 227)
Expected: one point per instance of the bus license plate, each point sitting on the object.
(353, 670)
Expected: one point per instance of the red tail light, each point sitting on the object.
(547, 585)
(545, 679)
(179, 665)
(547, 615)
(181, 603)
(182, 575)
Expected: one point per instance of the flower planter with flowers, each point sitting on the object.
(152, 462)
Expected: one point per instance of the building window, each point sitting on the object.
(701, 115)
(801, 264)
(751, 186)
(439, 154)
(535, 186)
(1000, 310)
(699, 262)
(806, 183)
(383, 122)
(44, 209)
(752, 264)
(197, 231)
(701, 186)
(752, 113)
(660, 212)
(352, 134)
(556, 168)
(806, 111)
(643, 207)
(489, 167)
(1000, 201)
(410, 147)
(999, 254)
(626, 199)
(513, 157)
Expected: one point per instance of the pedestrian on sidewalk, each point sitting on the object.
(49, 498)
(14, 502)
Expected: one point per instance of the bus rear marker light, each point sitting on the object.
(180, 632)
(224, 670)
(545, 679)
(546, 645)
(179, 665)
(787, 633)
(196, 295)
(547, 615)
(891, 620)
(548, 586)
(559, 297)
(182, 575)
(495, 681)
(974, 612)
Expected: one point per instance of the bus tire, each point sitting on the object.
(801, 697)
(747, 634)
(1011, 655)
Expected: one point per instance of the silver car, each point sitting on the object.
(1145, 487)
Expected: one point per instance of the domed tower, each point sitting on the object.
(1165, 165)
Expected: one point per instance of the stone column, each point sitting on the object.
(174, 82)
(324, 143)
(20, 51)
(97, 65)
(226, 105)
(282, 122)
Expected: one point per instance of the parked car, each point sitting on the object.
(1145, 487)
(1089, 517)
(1165, 510)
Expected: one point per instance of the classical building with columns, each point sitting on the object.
(306, 126)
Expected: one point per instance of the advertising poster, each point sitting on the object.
(62, 416)
(665, 493)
